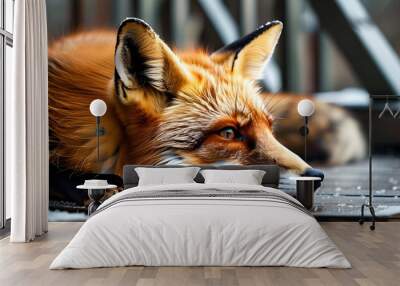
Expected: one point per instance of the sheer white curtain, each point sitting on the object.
(27, 123)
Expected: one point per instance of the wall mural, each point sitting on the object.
(170, 107)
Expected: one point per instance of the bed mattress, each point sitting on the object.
(201, 225)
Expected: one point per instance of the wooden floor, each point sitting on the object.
(375, 257)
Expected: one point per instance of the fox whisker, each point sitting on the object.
(278, 104)
(269, 100)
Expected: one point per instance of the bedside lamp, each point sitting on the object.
(98, 108)
(306, 109)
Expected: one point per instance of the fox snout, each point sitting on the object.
(285, 158)
(289, 160)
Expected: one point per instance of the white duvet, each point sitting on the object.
(188, 231)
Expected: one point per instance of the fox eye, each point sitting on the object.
(228, 133)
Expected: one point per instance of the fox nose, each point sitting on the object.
(311, 172)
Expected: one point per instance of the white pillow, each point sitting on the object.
(166, 176)
(248, 177)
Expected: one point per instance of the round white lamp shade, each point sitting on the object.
(305, 107)
(98, 107)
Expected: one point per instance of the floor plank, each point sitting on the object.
(375, 257)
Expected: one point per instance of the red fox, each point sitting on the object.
(172, 108)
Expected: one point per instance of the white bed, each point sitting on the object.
(222, 225)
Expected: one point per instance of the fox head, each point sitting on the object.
(207, 107)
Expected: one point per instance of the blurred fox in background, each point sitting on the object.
(181, 108)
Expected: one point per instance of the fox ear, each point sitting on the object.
(143, 59)
(249, 55)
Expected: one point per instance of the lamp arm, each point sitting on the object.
(98, 137)
(305, 137)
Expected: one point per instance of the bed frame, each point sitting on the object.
(271, 177)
